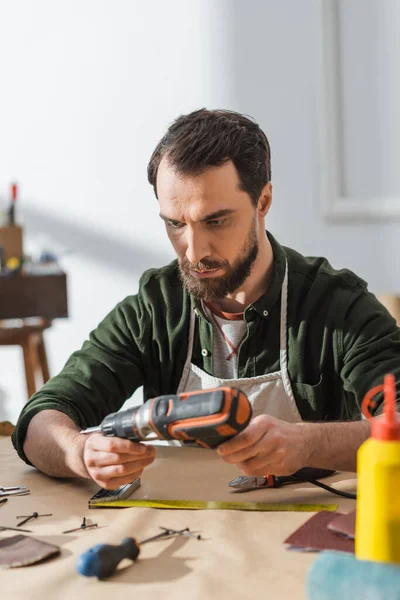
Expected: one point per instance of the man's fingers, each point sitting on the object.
(259, 468)
(267, 446)
(99, 442)
(119, 470)
(113, 484)
(257, 428)
(263, 445)
(266, 463)
(104, 459)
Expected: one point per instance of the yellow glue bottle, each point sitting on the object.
(378, 487)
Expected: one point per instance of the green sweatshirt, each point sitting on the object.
(341, 342)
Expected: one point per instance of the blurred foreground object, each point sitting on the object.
(340, 575)
(378, 476)
(392, 303)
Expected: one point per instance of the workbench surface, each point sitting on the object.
(242, 554)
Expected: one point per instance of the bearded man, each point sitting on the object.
(304, 342)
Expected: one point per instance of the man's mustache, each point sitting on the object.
(202, 265)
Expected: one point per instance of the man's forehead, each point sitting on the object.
(171, 184)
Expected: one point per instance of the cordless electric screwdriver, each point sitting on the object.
(207, 417)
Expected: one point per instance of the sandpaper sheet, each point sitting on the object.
(344, 524)
(21, 550)
(314, 535)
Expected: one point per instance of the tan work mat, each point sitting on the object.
(197, 474)
(241, 556)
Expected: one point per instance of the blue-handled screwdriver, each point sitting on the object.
(102, 560)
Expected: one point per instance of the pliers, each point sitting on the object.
(245, 484)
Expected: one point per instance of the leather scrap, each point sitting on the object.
(21, 551)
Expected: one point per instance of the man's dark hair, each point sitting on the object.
(210, 138)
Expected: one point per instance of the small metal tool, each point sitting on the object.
(184, 532)
(167, 533)
(83, 525)
(34, 515)
(96, 429)
(121, 493)
(306, 474)
(244, 484)
(3, 500)
(4, 527)
(14, 490)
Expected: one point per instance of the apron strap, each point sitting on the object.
(284, 336)
(188, 361)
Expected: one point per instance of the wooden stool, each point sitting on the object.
(28, 333)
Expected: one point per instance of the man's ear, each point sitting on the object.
(265, 200)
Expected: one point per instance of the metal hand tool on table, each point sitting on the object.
(83, 525)
(13, 490)
(102, 560)
(206, 417)
(245, 484)
(305, 475)
(34, 515)
(6, 527)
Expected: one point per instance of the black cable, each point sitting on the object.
(328, 488)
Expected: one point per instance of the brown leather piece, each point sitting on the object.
(21, 551)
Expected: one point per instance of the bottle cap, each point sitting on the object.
(387, 427)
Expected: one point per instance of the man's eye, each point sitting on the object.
(215, 222)
(174, 224)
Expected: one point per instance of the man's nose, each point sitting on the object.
(197, 247)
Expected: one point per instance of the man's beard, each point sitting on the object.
(216, 288)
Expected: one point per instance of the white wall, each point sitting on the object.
(87, 89)
(278, 78)
(370, 75)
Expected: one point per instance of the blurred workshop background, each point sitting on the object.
(89, 86)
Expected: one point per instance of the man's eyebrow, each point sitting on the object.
(219, 213)
(215, 215)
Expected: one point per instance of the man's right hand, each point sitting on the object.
(113, 461)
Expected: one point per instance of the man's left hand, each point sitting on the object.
(267, 446)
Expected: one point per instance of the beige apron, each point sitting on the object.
(268, 394)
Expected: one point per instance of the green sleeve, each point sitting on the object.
(371, 347)
(98, 378)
